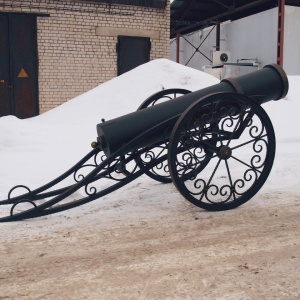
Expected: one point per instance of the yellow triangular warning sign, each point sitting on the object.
(22, 74)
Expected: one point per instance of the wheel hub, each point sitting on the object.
(225, 152)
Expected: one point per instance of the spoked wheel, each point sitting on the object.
(161, 171)
(221, 151)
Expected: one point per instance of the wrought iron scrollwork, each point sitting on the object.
(9, 196)
(104, 175)
(160, 172)
(238, 141)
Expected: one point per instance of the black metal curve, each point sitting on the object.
(163, 95)
(160, 172)
(243, 151)
(103, 170)
(38, 193)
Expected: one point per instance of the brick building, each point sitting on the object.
(54, 50)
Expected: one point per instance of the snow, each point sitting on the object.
(36, 150)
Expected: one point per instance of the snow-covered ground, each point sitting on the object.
(36, 150)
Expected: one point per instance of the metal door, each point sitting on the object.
(18, 89)
(132, 52)
(5, 108)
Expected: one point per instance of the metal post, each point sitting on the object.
(177, 46)
(218, 37)
(280, 34)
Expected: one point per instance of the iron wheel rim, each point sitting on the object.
(201, 188)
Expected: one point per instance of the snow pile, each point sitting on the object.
(36, 150)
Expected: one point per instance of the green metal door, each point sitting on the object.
(18, 68)
(5, 103)
(132, 52)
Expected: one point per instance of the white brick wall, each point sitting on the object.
(73, 58)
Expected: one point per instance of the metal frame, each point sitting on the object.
(197, 49)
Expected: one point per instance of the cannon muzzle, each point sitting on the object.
(269, 83)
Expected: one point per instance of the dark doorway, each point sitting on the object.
(132, 52)
(18, 65)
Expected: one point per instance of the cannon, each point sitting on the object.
(217, 145)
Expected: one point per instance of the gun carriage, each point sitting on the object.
(217, 145)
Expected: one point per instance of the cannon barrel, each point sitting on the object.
(269, 83)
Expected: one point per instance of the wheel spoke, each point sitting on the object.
(210, 179)
(160, 170)
(247, 165)
(246, 143)
(230, 179)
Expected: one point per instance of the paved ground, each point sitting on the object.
(252, 252)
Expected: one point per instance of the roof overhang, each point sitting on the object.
(161, 4)
(192, 15)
